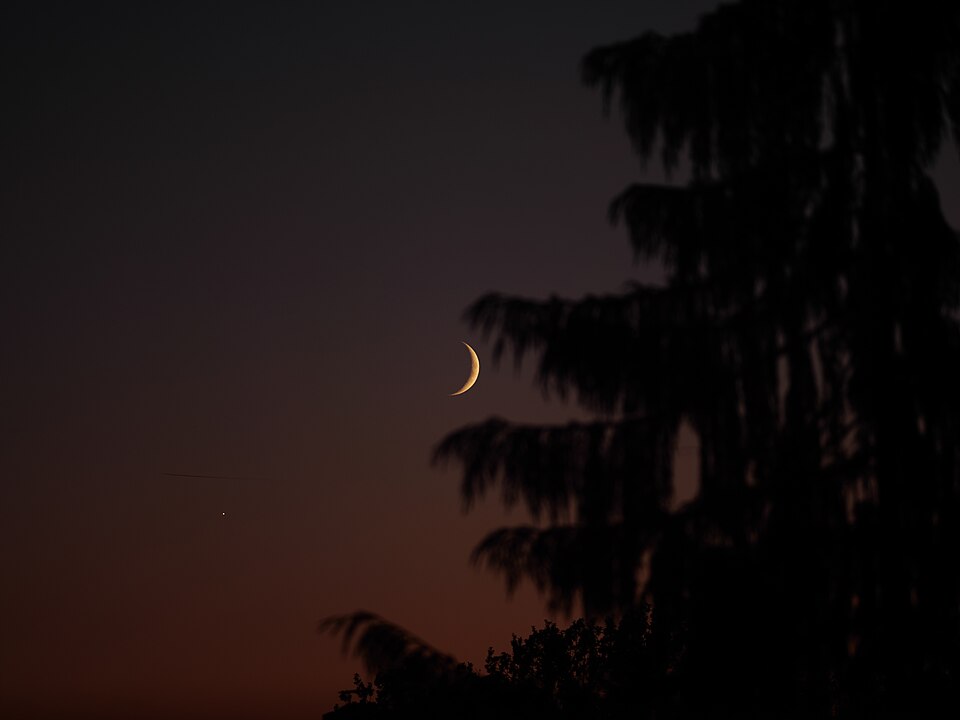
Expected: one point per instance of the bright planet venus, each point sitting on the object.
(474, 371)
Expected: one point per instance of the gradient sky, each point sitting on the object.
(238, 240)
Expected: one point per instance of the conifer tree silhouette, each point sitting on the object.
(807, 332)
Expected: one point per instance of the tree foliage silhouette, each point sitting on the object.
(612, 670)
(807, 331)
(384, 645)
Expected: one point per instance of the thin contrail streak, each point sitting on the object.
(214, 477)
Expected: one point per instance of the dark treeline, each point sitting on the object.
(807, 334)
(613, 670)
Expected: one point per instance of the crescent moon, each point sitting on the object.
(474, 371)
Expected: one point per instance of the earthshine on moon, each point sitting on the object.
(474, 371)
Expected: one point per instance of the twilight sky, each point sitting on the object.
(237, 240)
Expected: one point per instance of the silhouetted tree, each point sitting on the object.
(616, 670)
(807, 331)
(619, 669)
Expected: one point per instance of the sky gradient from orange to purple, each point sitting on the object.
(238, 240)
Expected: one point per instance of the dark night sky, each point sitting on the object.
(237, 240)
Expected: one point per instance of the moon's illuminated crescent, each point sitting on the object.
(474, 371)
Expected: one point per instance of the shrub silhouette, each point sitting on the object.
(598, 671)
